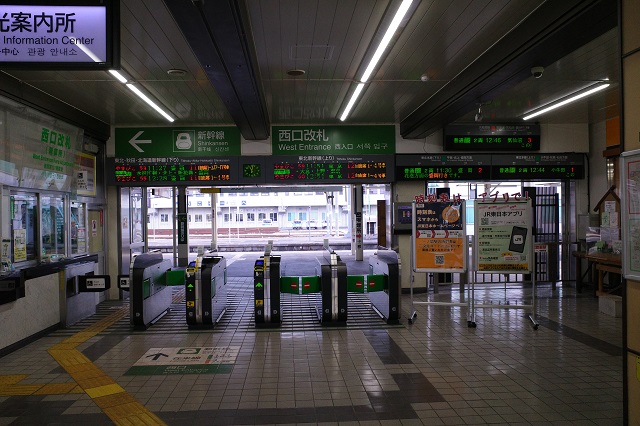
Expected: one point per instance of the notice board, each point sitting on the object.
(439, 239)
(630, 206)
(503, 236)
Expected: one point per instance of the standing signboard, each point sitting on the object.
(503, 236)
(439, 236)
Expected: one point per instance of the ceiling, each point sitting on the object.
(236, 55)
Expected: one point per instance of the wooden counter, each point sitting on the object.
(599, 263)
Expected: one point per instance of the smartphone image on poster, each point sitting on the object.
(518, 238)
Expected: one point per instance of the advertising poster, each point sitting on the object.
(19, 245)
(439, 237)
(503, 236)
(630, 220)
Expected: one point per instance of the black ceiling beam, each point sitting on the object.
(555, 29)
(220, 36)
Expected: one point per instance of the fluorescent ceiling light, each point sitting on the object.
(373, 62)
(561, 102)
(149, 102)
(118, 76)
(352, 101)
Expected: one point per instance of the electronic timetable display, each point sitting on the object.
(331, 168)
(492, 137)
(443, 167)
(538, 167)
(217, 170)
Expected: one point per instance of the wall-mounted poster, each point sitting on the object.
(630, 206)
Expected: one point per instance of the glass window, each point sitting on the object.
(198, 217)
(251, 217)
(52, 225)
(239, 217)
(273, 216)
(262, 216)
(23, 227)
(227, 217)
(78, 228)
(164, 217)
(208, 217)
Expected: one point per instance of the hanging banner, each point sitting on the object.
(439, 236)
(503, 236)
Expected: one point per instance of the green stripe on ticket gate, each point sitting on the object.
(289, 285)
(376, 282)
(311, 284)
(355, 283)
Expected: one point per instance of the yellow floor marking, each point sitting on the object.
(12, 379)
(112, 399)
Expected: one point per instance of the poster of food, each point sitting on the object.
(439, 237)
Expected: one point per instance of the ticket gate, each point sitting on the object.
(333, 288)
(266, 290)
(206, 291)
(149, 293)
(387, 302)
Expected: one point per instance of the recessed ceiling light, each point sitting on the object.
(175, 72)
(295, 72)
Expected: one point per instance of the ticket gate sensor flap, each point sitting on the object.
(386, 303)
(150, 297)
(266, 291)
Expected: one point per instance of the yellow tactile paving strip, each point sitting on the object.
(113, 400)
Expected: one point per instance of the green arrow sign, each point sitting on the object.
(258, 285)
(172, 142)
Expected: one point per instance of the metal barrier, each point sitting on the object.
(385, 299)
(206, 291)
(333, 287)
(266, 289)
(149, 293)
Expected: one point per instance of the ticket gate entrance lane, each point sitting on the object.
(266, 291)
(333, 288)
(206, 291)
(150, 296)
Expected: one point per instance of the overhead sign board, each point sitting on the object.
(176, 142)
(443, 167)
(492, 137)
(64, 35)
(333, 140)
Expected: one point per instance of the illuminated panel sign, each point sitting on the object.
(331, 168)
(443, 167)
(492, 137)
(537, 167)
(65, 35)
(208, 171)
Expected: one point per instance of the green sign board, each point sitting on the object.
(322, 140)
(176, 142)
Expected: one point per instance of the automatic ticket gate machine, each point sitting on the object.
(333, 283)
(206, 291)
(386, 303)
(149, 293)
(266, 290)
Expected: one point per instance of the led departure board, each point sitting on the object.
(443, 167)
(537, 167)
(492, 137)
(218, 170)
(331, 168)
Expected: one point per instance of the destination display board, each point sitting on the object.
(443, 167)
(216, 170)
(330, 169)
(68, 34)
(492, 137)
(538, 167)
